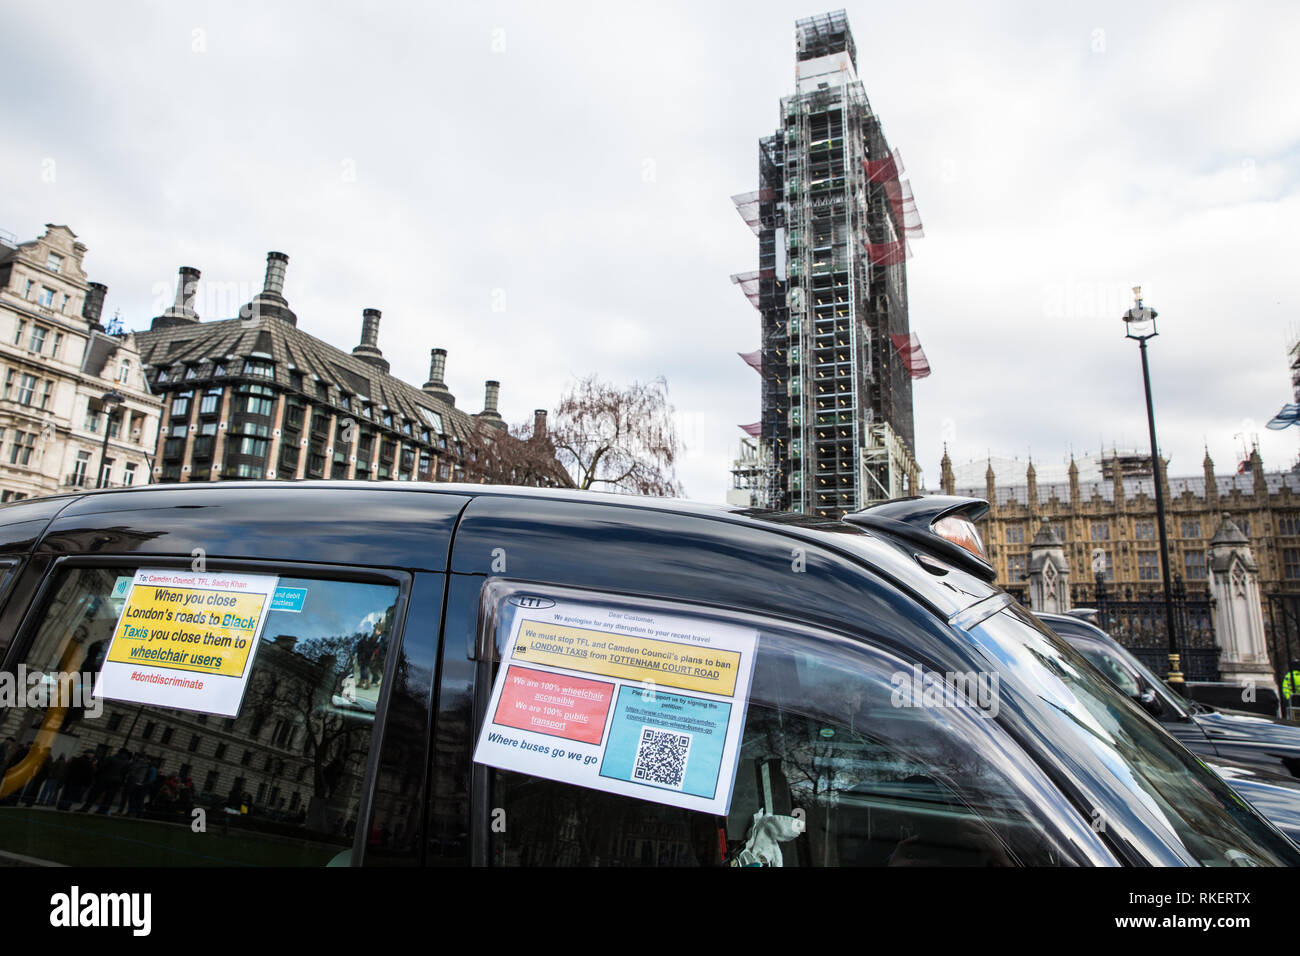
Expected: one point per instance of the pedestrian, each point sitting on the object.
(53, 781)
(108, 780)
(80, 775)
(132, 793)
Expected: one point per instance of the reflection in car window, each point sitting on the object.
(1193, 804)
(8, 572)
(831, 771)
(1114, 671)
(97, 782)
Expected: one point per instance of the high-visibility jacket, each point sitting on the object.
(1291, 684)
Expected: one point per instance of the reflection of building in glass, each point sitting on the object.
(290, 765)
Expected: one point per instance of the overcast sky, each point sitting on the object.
(543, 190)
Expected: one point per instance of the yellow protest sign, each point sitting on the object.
(205, 630)
(669, 663)
(186, 639)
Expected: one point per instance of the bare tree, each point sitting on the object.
(513, 457)
(613, 439)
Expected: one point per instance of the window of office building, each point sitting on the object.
(26, 388)
(79, 469)
(21, 452)
(181, 405)
(256, 400)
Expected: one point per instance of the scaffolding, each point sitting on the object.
(833, 217)
(752, 475)
(888, 468)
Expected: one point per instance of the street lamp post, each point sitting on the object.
(1140, 324)
(109, 400)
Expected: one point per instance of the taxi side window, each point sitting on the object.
(92, 782)
(835, 767)
(8, 574)
(1113, 669)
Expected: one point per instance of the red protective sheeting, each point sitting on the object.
(748, 205)
(903, 203)
(913, 356)
(885, 173)
(753, 359)
(888, 253)
(752, 430)
(882, 170)
(748, 282)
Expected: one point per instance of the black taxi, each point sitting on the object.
(401, 674)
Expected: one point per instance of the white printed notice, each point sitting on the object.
(646, 704)
(186, 639)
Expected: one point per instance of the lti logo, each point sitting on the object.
(76, 909)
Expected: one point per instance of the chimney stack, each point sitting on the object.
(270, 302)
(370, 327)
(539, 423)
(437, 366)
(187, 289)
(491, 393)
(94, 305)
(182, 310)
(277, 263)
(436, 386)
(368, 350)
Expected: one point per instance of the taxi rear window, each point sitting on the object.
(93, 781)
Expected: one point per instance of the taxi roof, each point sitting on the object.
(394, 520)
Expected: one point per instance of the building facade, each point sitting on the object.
(837, 359)
(75, 408)
(257, 397)
(1106, 519)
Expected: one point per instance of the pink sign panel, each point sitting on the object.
(554, 704)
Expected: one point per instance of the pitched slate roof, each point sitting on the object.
(202, 346)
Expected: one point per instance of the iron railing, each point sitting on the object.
(1136, 618)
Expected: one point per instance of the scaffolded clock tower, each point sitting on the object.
(833, 218)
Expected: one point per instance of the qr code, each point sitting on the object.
(661, 757)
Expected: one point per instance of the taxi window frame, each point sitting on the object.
(11, 569)
(495, 591)
(25, 633)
